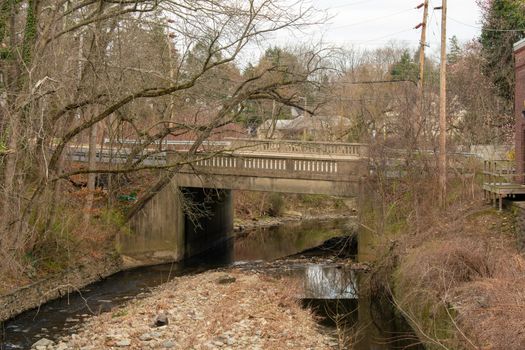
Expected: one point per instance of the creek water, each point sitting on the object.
(331, 290)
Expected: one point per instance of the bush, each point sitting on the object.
(276, 205)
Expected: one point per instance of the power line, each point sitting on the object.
(387, 36)
(374, 19)
(486, 29)
(352, 4)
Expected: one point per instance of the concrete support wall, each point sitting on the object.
(162, 232)
(156, 232)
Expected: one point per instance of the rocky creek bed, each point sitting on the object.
(212, 310)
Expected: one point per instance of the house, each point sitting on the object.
(310, 127)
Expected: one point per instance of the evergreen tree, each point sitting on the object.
(405, 69)
(503, 24)
(455, 51)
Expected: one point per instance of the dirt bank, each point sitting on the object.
(37, 293)
(460, 281)
(213, 310)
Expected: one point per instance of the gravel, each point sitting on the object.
(252, 311)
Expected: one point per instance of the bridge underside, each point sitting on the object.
(270, 184)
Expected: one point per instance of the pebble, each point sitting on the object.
(146, 337)
(61, 346)
(44, 342)
(168, 344)
(161, 320)
(123, 343)
(226, 279)
(203, 315)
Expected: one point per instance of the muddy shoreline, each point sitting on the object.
(33, 295)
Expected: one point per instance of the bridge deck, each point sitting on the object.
(293, 166)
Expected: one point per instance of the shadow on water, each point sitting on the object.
(347, 312)
(330, 290)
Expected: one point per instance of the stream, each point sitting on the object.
(292, 250)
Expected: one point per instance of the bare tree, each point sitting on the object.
(142, 70)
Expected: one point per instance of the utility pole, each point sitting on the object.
(423, 44)
(421, 80)
(443, 108)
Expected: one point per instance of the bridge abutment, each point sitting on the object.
(178, 224)
(156, 232)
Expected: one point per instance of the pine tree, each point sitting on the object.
(503, 24)
(455, 50)
(405, 69)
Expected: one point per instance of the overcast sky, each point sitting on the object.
(373, 23)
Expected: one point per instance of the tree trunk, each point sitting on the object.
(92, 163)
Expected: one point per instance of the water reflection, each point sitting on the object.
(272, 243)
(329, 282)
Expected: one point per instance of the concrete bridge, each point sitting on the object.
(167, 229)
(281, 166)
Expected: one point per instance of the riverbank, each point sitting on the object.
(212, 310)
(55, 286)
(460, 281)
(287, 218)
(32, 295)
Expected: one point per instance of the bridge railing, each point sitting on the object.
(303, 147)
(257, 145)
(279, 166)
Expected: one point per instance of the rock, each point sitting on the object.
(146, 337)
(161, 320)
(43, 342)
(61, 346)
(155, 335)
(123, 343)
(168, 344)
(226, 279)
(293, 214)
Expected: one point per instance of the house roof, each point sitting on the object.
(306, 122)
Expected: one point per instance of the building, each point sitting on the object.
(519, 52)
(315, 127)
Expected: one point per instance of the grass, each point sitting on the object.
(451, 278)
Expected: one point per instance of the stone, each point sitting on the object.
(161, 320)
(293, 214)
(123, 343)
(43, 342)
(146, 337)
(61, 346)
(168, 344)
(226, 279)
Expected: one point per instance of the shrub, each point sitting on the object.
(276, 205)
